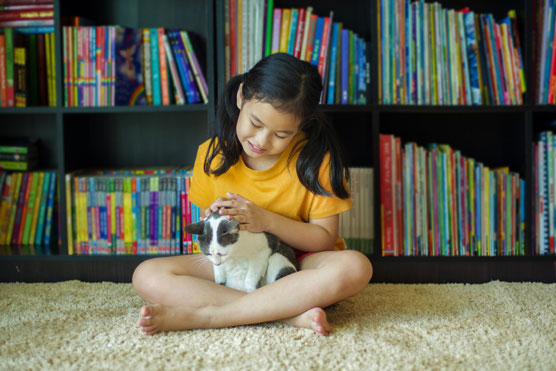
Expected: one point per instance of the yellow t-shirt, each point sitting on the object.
(276, 189)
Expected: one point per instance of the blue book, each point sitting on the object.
(469, 19)
(315, 54)
(188, 81)
(333, 62)
(49, 210)
(345, 67)
(498, 75)
(155, 68)
(293, 30)
(130, 90)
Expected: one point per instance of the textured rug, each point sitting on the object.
(494, 326)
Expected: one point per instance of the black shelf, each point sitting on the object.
(79, 137)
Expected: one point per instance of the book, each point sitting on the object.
(130, 88)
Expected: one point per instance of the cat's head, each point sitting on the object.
(216, 235)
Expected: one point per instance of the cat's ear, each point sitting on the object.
(195, 228)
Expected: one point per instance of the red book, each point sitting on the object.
(233, 38)
(324, 46)
(398, 204)
(3, 81)
(311, 38)
(26, 14)
(299, 33)
(386, 194)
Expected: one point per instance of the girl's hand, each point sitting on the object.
(251, 217)
(215, 206)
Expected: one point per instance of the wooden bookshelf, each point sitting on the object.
(77, 137)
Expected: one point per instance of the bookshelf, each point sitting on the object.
(78, 137)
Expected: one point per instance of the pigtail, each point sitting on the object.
(224, 142)
(320, 140)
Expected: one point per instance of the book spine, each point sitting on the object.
(9, 44)
(3, 78)
(147, 66)
(36, 207)
(386, 205)
(294, 15)
(50, 210)
(276, 30)
(155, 67)
(315, 53)
(164, 81)
(195, 66)
(188, 74)
(284, 30)
(299, 33)
(180, 96)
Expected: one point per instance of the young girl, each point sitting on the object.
(273, 165)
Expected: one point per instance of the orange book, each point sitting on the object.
(163, 68)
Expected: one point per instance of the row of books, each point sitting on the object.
(27, 14)
(130, 212)
(19, 154)
(544, 189)
(437, 202)
(255, 28)
(115, 66)
(437, 56)
(27, 68)
(357, 224)
(27, 208)
(546, 77)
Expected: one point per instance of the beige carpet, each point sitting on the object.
(494, 326)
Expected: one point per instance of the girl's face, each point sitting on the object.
(264, 132)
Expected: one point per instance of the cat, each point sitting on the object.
(242, 260)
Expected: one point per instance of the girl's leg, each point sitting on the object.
(325, 278)
(186, 280)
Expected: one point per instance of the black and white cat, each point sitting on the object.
(242, 260)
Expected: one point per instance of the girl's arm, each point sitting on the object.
(316, 235)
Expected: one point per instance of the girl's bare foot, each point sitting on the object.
(156, 318)
(313, 319)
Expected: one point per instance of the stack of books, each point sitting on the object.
(27, 56)
(437, 56)
(27, 208)
(546, 74)
(357, 224)
(130, 212)
(545, 201)
(437, 202)
(18, 154)
(117, 66)
(255, 29)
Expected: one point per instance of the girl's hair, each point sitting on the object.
(289, 85)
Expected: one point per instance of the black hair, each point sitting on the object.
(289, 85)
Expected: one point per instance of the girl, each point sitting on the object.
(273, 165)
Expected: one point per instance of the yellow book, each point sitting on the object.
(285, 31)
(13, 207)
(82, 195)
(5, 207)
(69, 216)
(36, 208)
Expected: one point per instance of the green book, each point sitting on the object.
(268, 36)
(30, 208)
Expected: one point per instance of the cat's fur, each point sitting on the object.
(242, 260)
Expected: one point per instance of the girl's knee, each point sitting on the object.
(144, 278)
(356, 270)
